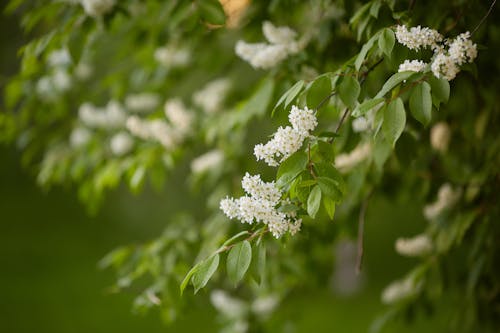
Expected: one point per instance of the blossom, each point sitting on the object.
(142, 102)
(440, 137)
(420, 245)
(418, 37)
(207, 161)
(97, 8)
(111, 116)
(444, 66)
(59, 58)
(229, 306)
(178, 115)
(446, 198)
(462, 50)
(79, 137)
(260, 206)
(346, 161)
(399, 290)
(210, 98)
(170, 56)
(287, 140)
(263, 55)
(121, 143)
(412, 65)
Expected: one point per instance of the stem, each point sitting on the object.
(255, 234)
(484, 17)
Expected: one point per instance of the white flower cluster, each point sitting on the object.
(79, 137)
(171, 56)
(58, 80)
(363, 123)
(109, 117)
(399, 290)
(412, 65)
(417, 246)
(440, 137)
(169, 134)
(446, 198)
(446, 62)
(263, 55)
(97, 8)
(142, 102)
(260, 206)
(418, 37)
(346, 161)
(210, 98)
(207, 161)
(287, 140)
(121, 143)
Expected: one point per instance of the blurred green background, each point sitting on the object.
(49, 249)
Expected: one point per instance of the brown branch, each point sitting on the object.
(361, 230)
(484, 17)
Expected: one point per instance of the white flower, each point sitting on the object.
(440, 137)
(96, 8)
(229, 306)
(45, 87)
(59, 58)
(446, 198)
(265, 56)
(170, 56)
(265, 305)
(121, 143)
(178, 115)
(207, 161)
(417, 37)
(210, 98)
(412, 65)
(361, 124)
(399, 290)
(142, 102)
(420, 245)
(112, 116)
(278, 35)
(83, 71)
(260, 206)
(79, 137)
(462, 50)
(347, 161)
(287, 140)
(444, 66)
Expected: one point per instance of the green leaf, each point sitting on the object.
(364, 51)
(394, 121)
(386, 41)
(287, 208)
(260, 99)
(212, 12)
(375, 7)
(394, 81)
(440, 90)
(291, 168)
(329, 171)
(307, 183)
(204, 272)
(314, 201)
(238, 235)
(261, 261)
(320, 88)
(349, 90)
(330, 188)
(289, 95)
(329, 205)
(238, 261)
(421, 103)
(366, 106)
(188, 276)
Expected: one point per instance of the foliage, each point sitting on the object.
(169, 88)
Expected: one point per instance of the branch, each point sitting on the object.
(484, 17)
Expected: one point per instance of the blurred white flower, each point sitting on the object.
(208, 161)
(347, 161)
(265, 305)
(446, 198)
(399, 290)
(142, 102)
(79, 137)
(121, 143)
(59, 58)
(178, 115)
(440, 137)
(417, 246)
(210, 98)
(171, 56)
(227, 305)
(97, 8)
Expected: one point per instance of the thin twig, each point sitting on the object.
(484, 17)
(326, 99)
(361, 230)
